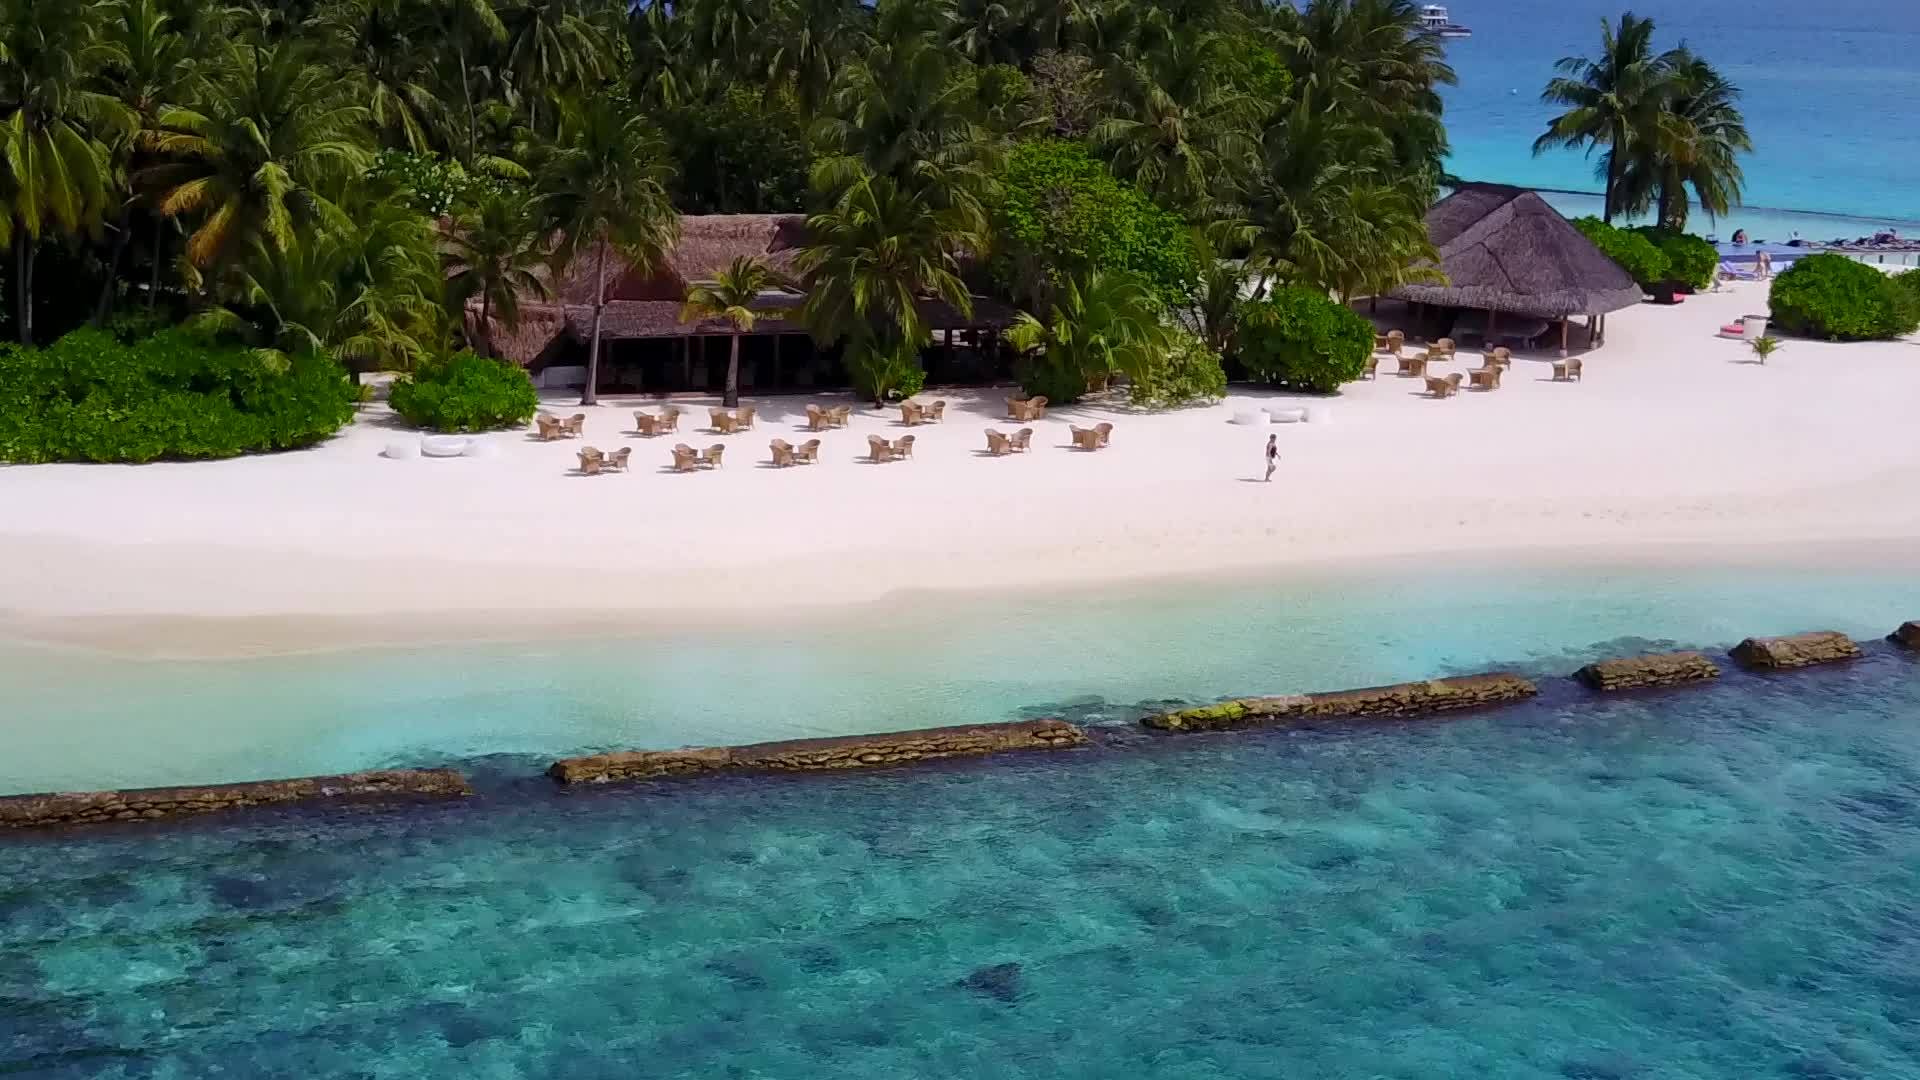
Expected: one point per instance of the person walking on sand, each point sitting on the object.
(1273, 456)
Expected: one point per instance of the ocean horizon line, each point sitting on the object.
(1838, 215)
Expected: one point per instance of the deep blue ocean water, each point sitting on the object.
(1832, 99)
(1713, 882)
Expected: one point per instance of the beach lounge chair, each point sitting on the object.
(782, 453)
(669, 419)
(840, 414)
(619, 458)
(1372, 369)
(574, 426)
(998, 445)
(710, 457)
(910, 414)
(743, 421)
(903, 446)
(1442, 388)
(684, 458)
(817, 419)
(1485, 378)
(807, 453)
(721, 421)
(936, 412)
(1566, 370)
(1395, 339)
(879, 449)
(590, 461)
(548, 427)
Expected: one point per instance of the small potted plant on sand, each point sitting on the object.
(1764, 347)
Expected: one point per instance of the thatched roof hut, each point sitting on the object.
(1504, 249)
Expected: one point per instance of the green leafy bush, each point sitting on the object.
(464, 393)
(1833, 297)
(1044, 374)
(1302, 339)
(1061, 214)
(1907, 286)
(1635, 253)
(92, 397)
(1188, 373)
(882, 369)
(1691, 260)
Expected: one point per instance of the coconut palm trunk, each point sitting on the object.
(486, 325)
(105, 305)
(590, 395)
(732, 396)
(23, 282)
(159, 247)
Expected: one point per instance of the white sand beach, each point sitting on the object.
(1674, 437)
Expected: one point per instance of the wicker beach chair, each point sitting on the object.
(817, 419)
(1502, 356)
(743, 420)
(903, 446)
(1485, 378)
(646, 424)
(1022, 440)
(547, 427)
(1441, 348)
(1414, 366)
(685, 459)
(591, 461)
(619, 458)
(998, 445)
(1395, 340)
(720, 421)
(1084, 438)
(710, 457)
(1443, 388)
(1105, 431)
(840, 415)
(669, 419)
(1016, 408)
(1372, 368)
(574, 426)
(936, 412)
(807, 453)
(879, 449)
(782, 453)
(1566, 370)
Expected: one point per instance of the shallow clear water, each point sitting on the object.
(1711, 882)
(1829, 92)
(79, 721)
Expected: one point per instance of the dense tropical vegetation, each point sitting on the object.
(1667, 125)
(335, 180)
(1660, 259)
(1833, 297)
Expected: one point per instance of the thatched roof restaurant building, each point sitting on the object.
(646, 348)
(1505, 251)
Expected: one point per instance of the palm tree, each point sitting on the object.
(731, 297)
(494, 252)
(811, 40)
(875, 255)
(382, 44)
(1373, 58)
(54, 168)
(149, 65)
(604, 186)
(1109, 322)
(255, 167)
(1615, 101)
(1180, 128)
(473, 28)
(551, 49)
(1701, 139)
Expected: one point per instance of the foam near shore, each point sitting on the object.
(1674, 438)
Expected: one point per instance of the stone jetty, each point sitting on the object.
(822, 755)
(1795, 651)
(1653, 669)
(1402, 699)
(149, 804)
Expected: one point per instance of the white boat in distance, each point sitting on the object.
(1435, 20)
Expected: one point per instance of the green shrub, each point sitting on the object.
(1691, 260)
(1042, 374)
(1060, 214)
(880, 369)
(1636, 254)
(464, 393)
(1186, 374)
(92, 397)
(1302, 339)
(1833, 297)
(1907, 287)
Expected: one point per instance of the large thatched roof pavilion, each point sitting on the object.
(1504, 250)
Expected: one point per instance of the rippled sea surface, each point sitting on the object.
(1711, 882)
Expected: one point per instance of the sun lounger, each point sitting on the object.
(548, 427)
(879, 449)
(721, 421)
(998, 445)
(936, 412)
(684, 458)
(1441, 388)
(1022, 440)
(743, 421)
(591, 460)
(903, 446)
(782, 453)
(1566, 370)
(574, 426)
(807, 453)
(1485, 378)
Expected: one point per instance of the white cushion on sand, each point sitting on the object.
(480, 448)
(1289, 416)
(444, 445)
(402, 450)
(1250, 417)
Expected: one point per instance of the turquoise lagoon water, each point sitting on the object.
(1829, 92)
(1713, 882)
